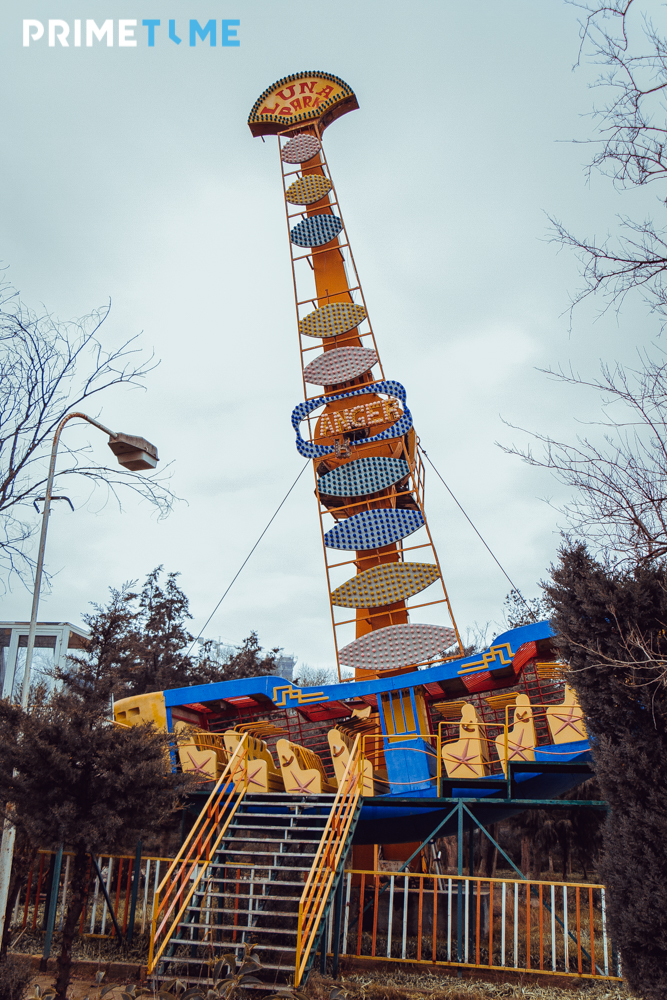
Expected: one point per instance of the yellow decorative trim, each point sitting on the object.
(295, 694)
(495, 652)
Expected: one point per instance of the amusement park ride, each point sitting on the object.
(391, 757)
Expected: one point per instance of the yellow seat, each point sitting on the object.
(194, 758)
(468, 757)
(521, 739)
(566, 721)
(213, 741)
(302, 770)
(340, 744)
(263, 775)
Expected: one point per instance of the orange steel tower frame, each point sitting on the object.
(369, 476)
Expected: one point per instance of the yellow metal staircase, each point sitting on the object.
(255, 868)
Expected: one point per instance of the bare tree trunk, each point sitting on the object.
(525, 855)
(449, 844)
(79, 884)
(24, 858)
(489, 853)
(537, 862)
(495, 830)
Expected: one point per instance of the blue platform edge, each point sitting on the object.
(273, 688)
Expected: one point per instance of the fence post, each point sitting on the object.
(135, 889)
(459, 888)
(53, 903)
(338, 913)
(119, 933)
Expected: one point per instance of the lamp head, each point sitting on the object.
(134, 453)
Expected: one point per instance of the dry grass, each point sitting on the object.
(402, 985)
(92, 949)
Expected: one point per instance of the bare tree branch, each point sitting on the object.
(47, 369)
(619, 482)
(631, 149)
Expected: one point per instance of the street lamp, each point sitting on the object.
(134, 453)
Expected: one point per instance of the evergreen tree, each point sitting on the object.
(519, 611)
(611, 621)
(160, 660)
(74, 778)
(249, 660)
(110, 651)
(139, 643)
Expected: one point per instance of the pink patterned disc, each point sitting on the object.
(398, 646)
(301, 148)
(339, 365)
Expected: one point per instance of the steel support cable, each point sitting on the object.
(240, 569)
(484, 543)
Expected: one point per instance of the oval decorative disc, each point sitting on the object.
(340, 365)
(300, 148)
(384, 584)
(316, 230)
(332, 319)
(397, 646)
(308, 189)
(371, 529)
(363, 476)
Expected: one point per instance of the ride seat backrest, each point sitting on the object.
(345, 738)
(306, 759)
(257, 749)
(195, 756)
(213, 741)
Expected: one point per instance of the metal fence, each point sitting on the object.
(118, 873)
(554, 928)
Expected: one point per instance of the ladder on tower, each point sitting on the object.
(255, 869)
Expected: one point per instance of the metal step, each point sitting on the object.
(293, 796)
(257, 911)
(254, 828)
(244, 928)
(257, 893)
(223, 858)
(264, 868)
(222, 946)
(258, 852)
(288, 815)
(278, 840)
(268, 966)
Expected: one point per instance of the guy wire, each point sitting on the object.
(238, 572)
(486, 546)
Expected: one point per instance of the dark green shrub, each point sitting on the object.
(16, 972)
(612, 628)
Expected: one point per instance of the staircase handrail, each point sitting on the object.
(187, 868)
(327, 859)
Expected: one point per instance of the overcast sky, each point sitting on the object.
(130, 174)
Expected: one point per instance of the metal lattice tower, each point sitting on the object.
(379, 555)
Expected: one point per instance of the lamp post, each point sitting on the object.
(134, 453)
